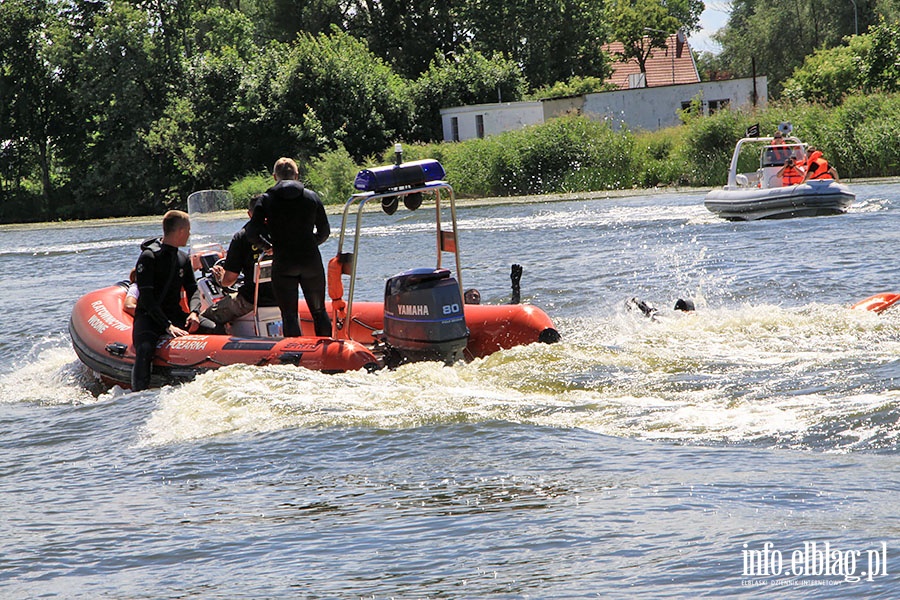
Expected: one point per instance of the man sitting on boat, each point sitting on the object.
(818, 167)
(790, 173)
(241, 257)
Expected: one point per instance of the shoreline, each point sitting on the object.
(333, 209)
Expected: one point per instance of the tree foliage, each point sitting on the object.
(574, 86)
(774, 36)
(552, 40)
(31, 98)
(641, 26)
(114, 107)
(866, 62)
(468, 77)
(827, 75)
(116, 71)
(407, 33)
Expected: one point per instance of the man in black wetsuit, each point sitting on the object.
(241, 258)
(297, 223)
(162, 271)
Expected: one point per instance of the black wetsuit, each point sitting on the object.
(297, 224)
(241, 258)
(162, 272)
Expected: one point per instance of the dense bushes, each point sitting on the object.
(568, 154)
(861, 137)
(576, 154)
(571, 154)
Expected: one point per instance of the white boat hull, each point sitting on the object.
(810, 199)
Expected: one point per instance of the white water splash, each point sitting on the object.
(53, 376)
(716, 376)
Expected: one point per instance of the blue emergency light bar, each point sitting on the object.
(417, 172)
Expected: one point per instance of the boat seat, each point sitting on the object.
(747, 180)
(269, 323)
(769, 177)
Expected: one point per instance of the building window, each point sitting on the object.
(454, 127)
(715, 105)
(479, 125)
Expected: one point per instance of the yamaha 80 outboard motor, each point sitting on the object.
(423, 317)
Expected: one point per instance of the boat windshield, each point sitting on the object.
(774, 156)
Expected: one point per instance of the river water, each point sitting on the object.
(746, 449)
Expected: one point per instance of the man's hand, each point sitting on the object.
(192, 322)
(218, 272)
(176, 331)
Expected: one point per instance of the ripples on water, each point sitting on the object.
(637, 456)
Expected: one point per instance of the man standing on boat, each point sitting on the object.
(161, 273)
(298, 225)
(242, 257)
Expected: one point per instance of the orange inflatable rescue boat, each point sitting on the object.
(422, 316)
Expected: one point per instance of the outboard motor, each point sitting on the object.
(423, 317)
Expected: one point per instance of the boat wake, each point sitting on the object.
(870, 205)
(50, 375)
(818, 378)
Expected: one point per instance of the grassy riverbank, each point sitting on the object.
(576, 155)
(573, 156)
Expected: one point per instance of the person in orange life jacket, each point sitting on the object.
(297, 223)
(780, 152)
(817, 167)
(161, 273)
(241, 258)
(790, 173)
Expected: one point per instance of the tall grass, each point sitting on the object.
(576, 154)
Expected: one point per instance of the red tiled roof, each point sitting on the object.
(671, 65)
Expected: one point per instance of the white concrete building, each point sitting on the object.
(481, 120)
(644, 108)
(654, 108)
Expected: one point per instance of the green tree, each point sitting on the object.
(305, 97)
(776, 35)
(200, 136)
(117, 77)
(551, 40)
(878, 66)
(641, 26)
(31, 100)
(407, 33)
(687, 12)
(574, 86)
(866, 62)
(284, 20)
(468, 77)
(828, 75)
